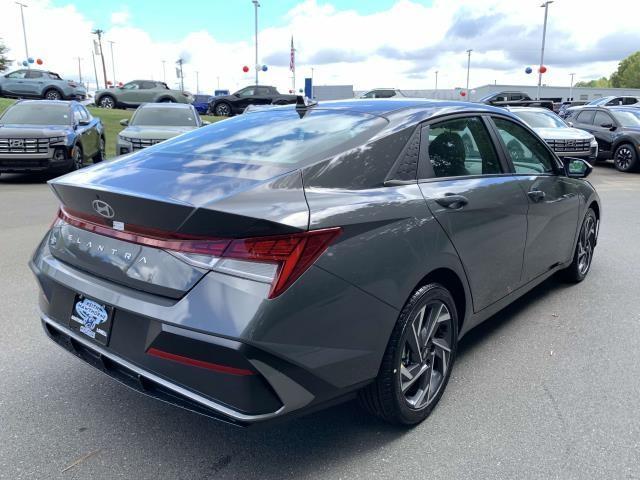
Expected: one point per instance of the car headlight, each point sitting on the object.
(57, 139)
(594, 143)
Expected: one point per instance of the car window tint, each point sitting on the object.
(247, 92)
(77, 115)
(528, 153)
(586, 116)
(18, 74)
(602, 118)
(629, 101)
(130, 86)
(34, 74)
(84, 114)
(385, 94)
(147, 85)
(462, 147)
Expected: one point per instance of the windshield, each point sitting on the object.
(275, 137)
(37, 114)
(541, 119)
(165, 117)
(627, 118)
(599, 101)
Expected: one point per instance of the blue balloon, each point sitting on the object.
(264, 68)
(528, 70)
(24, 63)
(30, 60)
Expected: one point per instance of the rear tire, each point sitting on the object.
(418, 360)
(52, 94)
(625, 158)
(583, 254)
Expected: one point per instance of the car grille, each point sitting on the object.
(569, 145)
(139, 144)
(24, 145)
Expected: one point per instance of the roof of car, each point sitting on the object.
(383, 106)
(165, 105)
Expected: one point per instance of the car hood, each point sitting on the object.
(563, 134)
(28, 131)
(154, 133)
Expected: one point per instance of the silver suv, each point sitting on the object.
(33, 83)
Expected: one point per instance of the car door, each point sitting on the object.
(553, 201)
(244, 97)
(93, 135)
(83, 132)
(14, 83)
(477, 201)
(603, 123)
(149, 92)
(129, 93)
(34, 82)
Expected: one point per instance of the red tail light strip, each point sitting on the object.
(192, 362)
(293, 253)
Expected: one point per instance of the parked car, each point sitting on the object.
(565, 106)
(383, 93)
(134, 94)
(227, 105)
(289, 258)
(617, 131)
(34, 83)
(153, 123)
(500, 97)
(49, 135)
(563, 139)
(201, 103)
(610, 101)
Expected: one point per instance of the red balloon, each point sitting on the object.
(39, 61)
(245, 69)
(109, 82)
(463, 93)
(542, 69)
(120, 84)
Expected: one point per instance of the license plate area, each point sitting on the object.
(91, 319)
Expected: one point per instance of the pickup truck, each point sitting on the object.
(228, 105)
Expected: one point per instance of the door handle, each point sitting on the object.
(453, 201)
(537, 195)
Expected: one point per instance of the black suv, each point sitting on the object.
(501, 97)
(617, 131)
(37, 135)
(227, 105)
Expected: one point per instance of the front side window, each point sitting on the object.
(18, 74)
(462, 147)
(602, 118)
(528, 153)
(77, 115)
(247, 92)
(585, 116)
(130, 86)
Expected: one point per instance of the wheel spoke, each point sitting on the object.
(418, 371)
(424, 391)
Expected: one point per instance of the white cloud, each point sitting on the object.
(398, 47)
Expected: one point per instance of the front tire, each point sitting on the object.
(100, 156)
(77, 158)
(107, 101)
(222, 109)
(418, 360)
(625, 158)
(583, 254)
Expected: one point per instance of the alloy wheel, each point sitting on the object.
(53, 95)
(586, 244)
(77, 159)
(623, 159)
(107, 102)
(222, 110)
(426, 354)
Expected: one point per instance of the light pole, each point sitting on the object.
(468, 69)
(95, 70)
(218, 82)
(113, 64)
(99, 33)
(312, 84)
(197, 83)
(24, 30)
(180, 62)
(79, 69)
(256, 4)
(571, 88)
(164, 72)
(436, 79)
(545, 5)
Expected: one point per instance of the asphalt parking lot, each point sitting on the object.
(548, 388)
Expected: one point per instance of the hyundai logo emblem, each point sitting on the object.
(17, 143)
(103, 208)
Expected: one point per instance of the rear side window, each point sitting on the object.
(462, 147)
(147, 85)
(586, 116)
(34, 74)
(629, 101)
(527, 152)
(276, 137)
(602, 118)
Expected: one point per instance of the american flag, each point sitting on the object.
(292, 60)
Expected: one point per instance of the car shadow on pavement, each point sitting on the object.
(28, 178)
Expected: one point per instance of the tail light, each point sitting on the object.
(277, 260)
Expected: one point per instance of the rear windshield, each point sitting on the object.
(37, 114)
(277, 137)
(165, 117)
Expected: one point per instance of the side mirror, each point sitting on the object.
(84, 123)
(205, 123)
(570, 124)
(577, 167)
(124, 122)
(608, 125)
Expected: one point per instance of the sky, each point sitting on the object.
(367, 44)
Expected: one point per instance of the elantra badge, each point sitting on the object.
(103, 208)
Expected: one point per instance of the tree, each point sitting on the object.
(598, 83)
(628, 73)
(4, 60)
